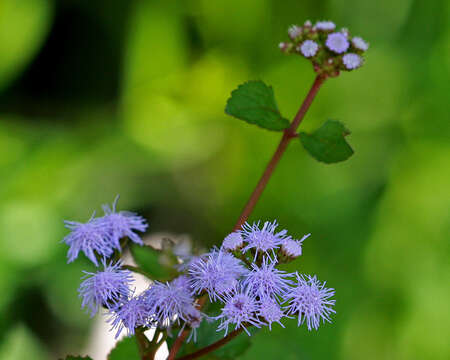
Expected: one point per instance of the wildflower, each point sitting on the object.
(183, 283)
(108, 287)
(240, 309)
(91, 238)
(325, 25)
(293, 248)
(233, 241)
(360, 44)
(266, 280)
(352, 61)
(217, 273)
(194, 318)
(294, 31)
(308, 48)
(337, 42)
(121, 224)
(270, 311)
(310, 300)
(130, 315)
(263, 240)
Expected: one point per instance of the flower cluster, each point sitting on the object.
(243, 276)
(330, 50)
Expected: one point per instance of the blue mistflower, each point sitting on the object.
(121, 224)
(308, 48)
(91, 238)
(352, 61)
(130, 315)
(310, 300)
(293, 248)
(217, 273)
(263, 240)
(270, 311)
(360, 43)
(108, 287)
(182, 282)
(337, 42)
(233, 241)
(294, 31)
(325, 25)
(240, 309)
(266, 280)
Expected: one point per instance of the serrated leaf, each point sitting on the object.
(125, 349)
(72, 357)
(327, 144)
(149, 260)
(254, 102)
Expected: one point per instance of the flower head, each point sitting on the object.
(182, 282)
(352, 61)
(360, 43)
(270, 311)
(121, 224)
(293, 248)
(130, 315)
(91, 238)
(308, 48)
(263, 240)
(337, 42)
(310, 300)
(108, 287)
(294, 31)
(233, 241)
(266, 280)
(325, 25)
(240, 309)
(217, 273)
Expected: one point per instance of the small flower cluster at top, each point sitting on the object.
(242, 275)
(329, 50)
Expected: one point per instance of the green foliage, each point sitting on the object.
(153, 262)
(327, 144)
(125, 349)
(254, 102)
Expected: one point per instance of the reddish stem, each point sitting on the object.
(288, 135)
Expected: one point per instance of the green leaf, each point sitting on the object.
(125, 349)
(327, 144)
(254, 102)
(150, 260)
(72, 357)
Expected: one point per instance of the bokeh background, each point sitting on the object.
(99, 98)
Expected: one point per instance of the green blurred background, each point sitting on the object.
(99, 98)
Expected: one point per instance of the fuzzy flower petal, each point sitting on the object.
(360, 43)
(337, 42)
(325, 25)
(293, 248)
(270, 311)
(309, 48)
(294, 31)
(233, 241)
(352, 61)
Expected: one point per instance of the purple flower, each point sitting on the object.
(325, 25)
(108, 287)
(309, 48)
(240, 309)
(294, 31)
(293, 248)
(266, 280)
(121, 224)
(130, 315)
(217, 273)
(194, 318)
(352, 61)
(233, 241)
(270, 311)
(182, 282)
(337, 42)
(91, 238)
(310, 300)
(360, 44)
(263, 240)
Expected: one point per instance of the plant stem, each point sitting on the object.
(213, 346)
(288, 135)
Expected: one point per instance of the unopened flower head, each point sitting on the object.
(270, 311)
(263, 240)
(233, 241)
(132, 314)
(360, 44)
(293, 248)
(310, 300)
(337, 42)
(105, 288)
(121, 224)
(240, 309)
(91, 238)
(308, 48)
(217, 273)
(352, 61)
(294, 31)
(266, 280)
(325, 25)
